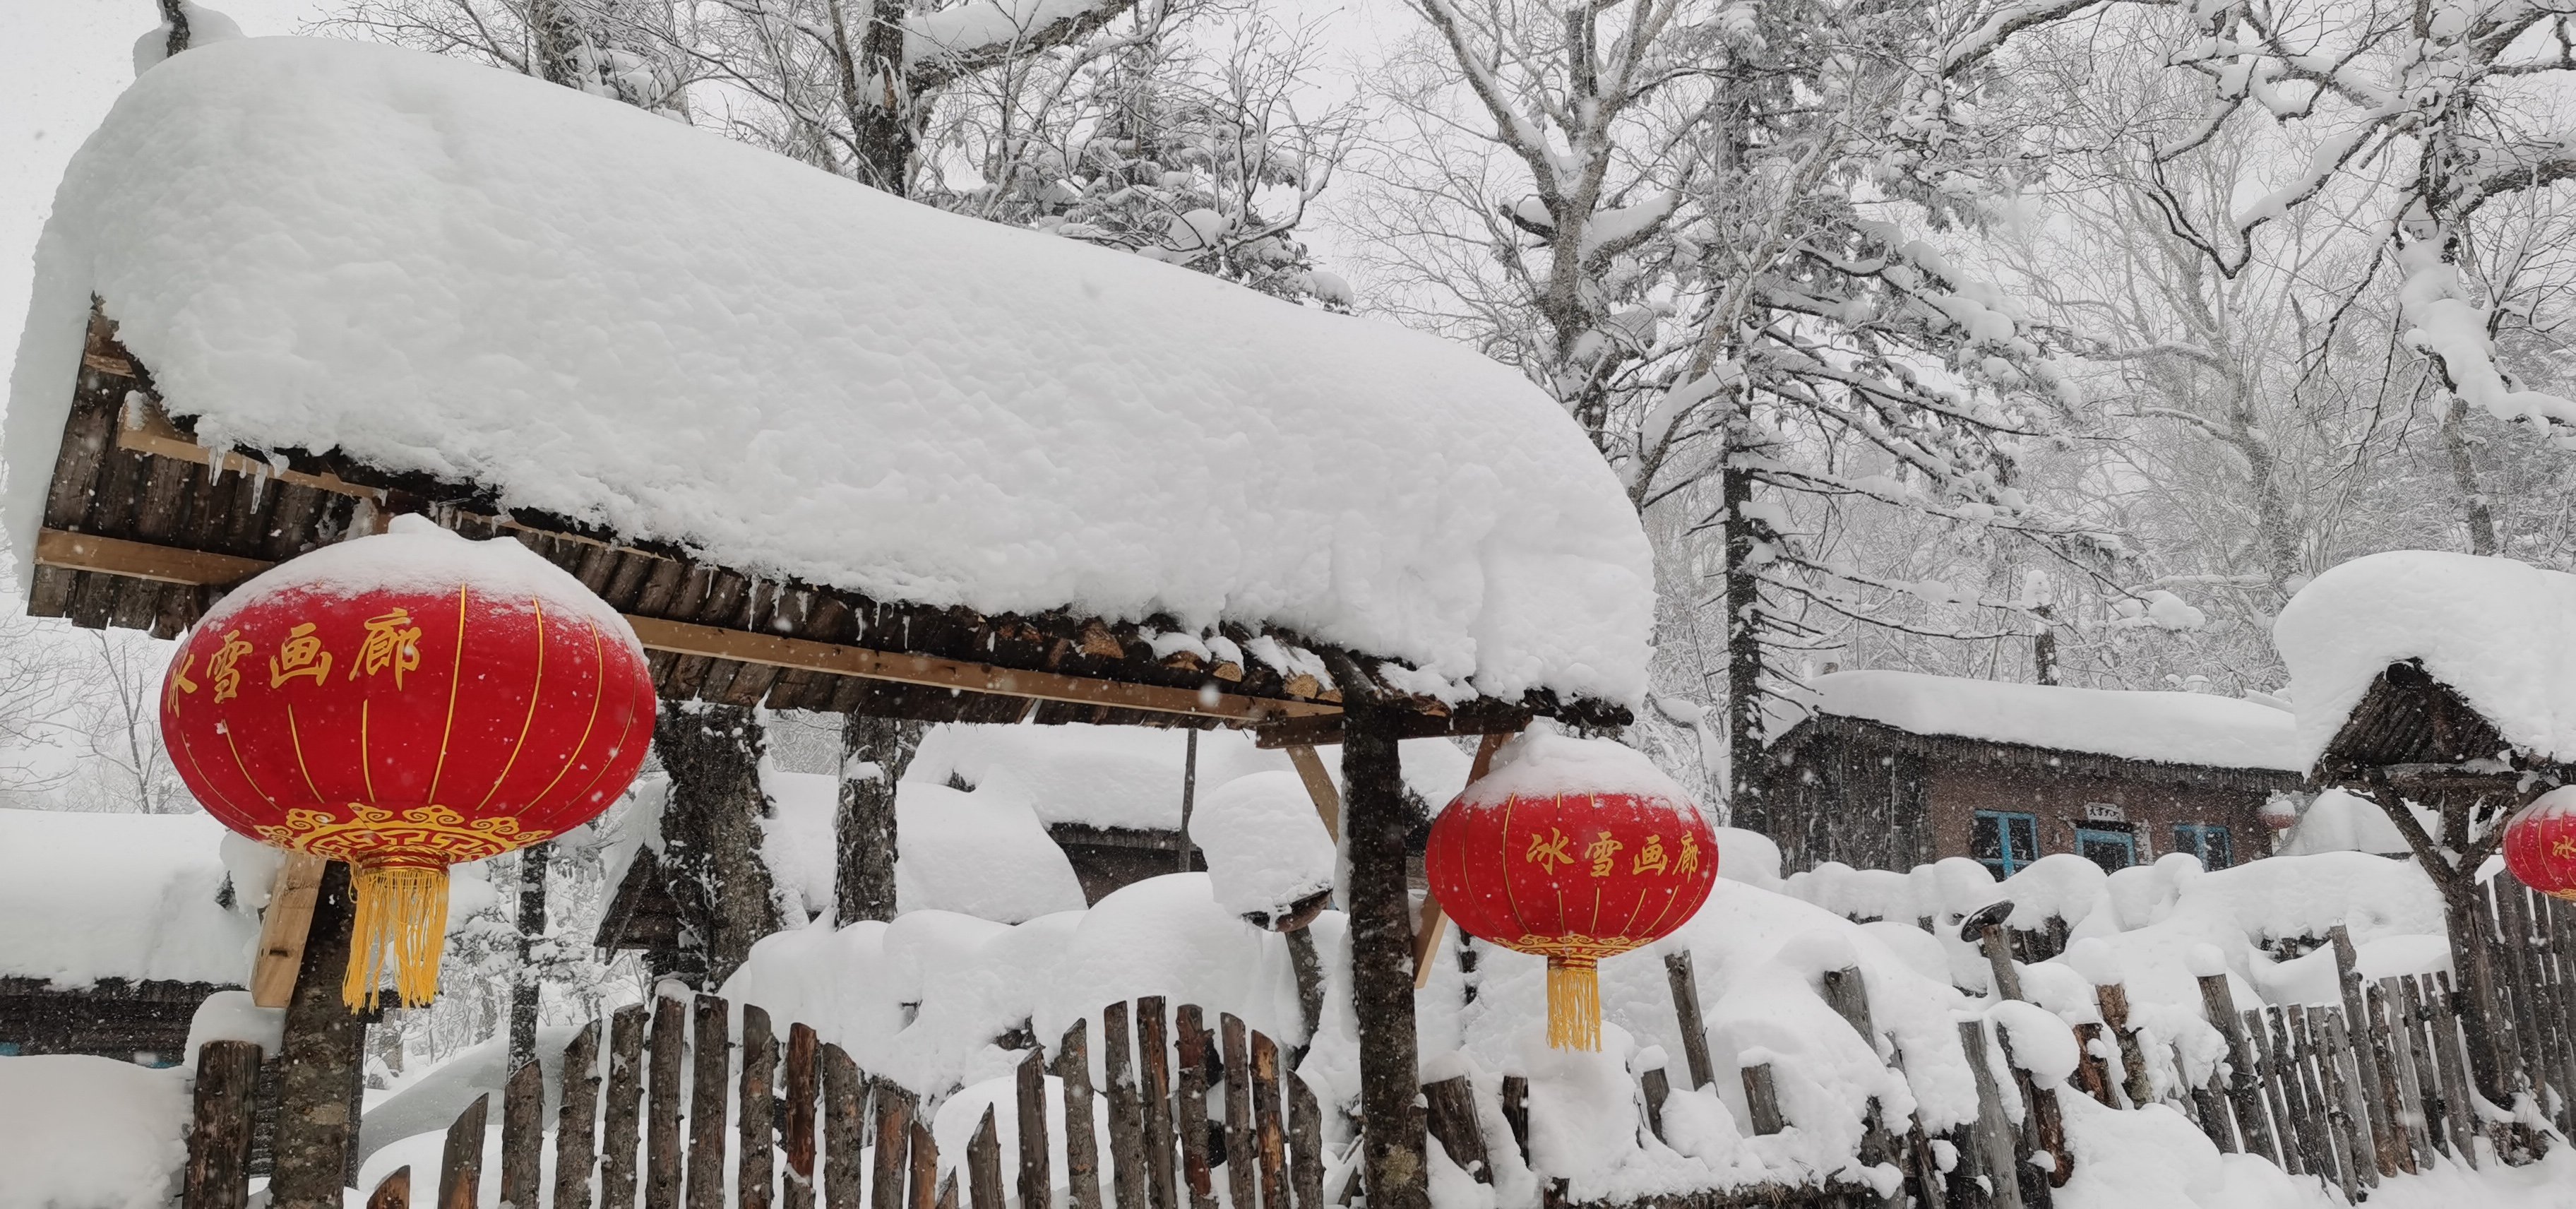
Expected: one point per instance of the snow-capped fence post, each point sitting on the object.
(2043, 1128)
(393, 1191)
(1988, 1172)
(843, 1114)
(2244, 1092)
(219, 1127)
(576, 1120)
(1655, 1087)
(669, 1046)
(1306, 1144)
(1237, 1047)
(1270, 1134)
(1036, 1181)
(1189, 1104)
(894, 1111)
(2092, 1070)
(1154, 1056)
(1762, 1099)
(523, 1135)
(925, 1189)
(2138, 1085)
(758, 1112)
(1081, 1144)
(802, 1079)
(983, 1166)
(1126, 1112)
(709, 1052)
(1986, 930)
(1685, 983)
(460, 1161)
(623, 1129)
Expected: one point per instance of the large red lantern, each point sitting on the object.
(404, 702)
(1574, 850)
(2540, 844)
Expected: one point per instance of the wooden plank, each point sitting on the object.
(2113, 999)
(1190, 1038)
(1036, 1180)
(577, 1121)
(2284, 1131)
(1449, 1108)
(662, 1143)
(755, 1175)
(1242, 1188)
(1319, 786)
(621, 1131)
(2339, 1047)
(523, 1104)
(1126, 1110)
(2404, 1124)
(2304, 1150)
(2244, 1093)
(842, 1117)
(2386, 1138)
(2406, 1017)
(803, 1081)
(142, 560)
(894, 1109)
(710, 1051)
(2451, 1058)
(1081, 1139)
(1271, 1135)
(984, 1166)
(2326, 1149)
(393, 1191)
(220, 1125)
(1154, 1059)
(148, 430)
(1305, 1144)
(1685, 984)
(460, 1161)
(1992, 1152)
(1762, 1099)
(2352, 1153)
(2092, 1071)
(924, 1187)
(283, 927)
(1516, 1113)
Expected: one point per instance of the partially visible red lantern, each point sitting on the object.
(2540, 844)
(1573, 850)
(405, 702)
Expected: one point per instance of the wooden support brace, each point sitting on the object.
(1319, 786)
(1435, 918)
(283, 927)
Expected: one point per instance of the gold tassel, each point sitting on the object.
(1573, 1003)
(402, 911)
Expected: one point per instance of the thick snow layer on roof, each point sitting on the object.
(2493, 629)
(595, 312)
(1130, 777)
(2172, 728)
(91, 896)
(78, 1130)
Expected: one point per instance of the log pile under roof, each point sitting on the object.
(144, 529)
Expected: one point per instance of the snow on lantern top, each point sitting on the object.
(584, 309)
(2495, 630)
(414, 555)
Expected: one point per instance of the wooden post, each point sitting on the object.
(2407, 1016)
(662, 1105)
(1081, 1142)
(1993, 1148)
(1848, 994)
(2385, 1139)
(1985, 929)
(2300, 1140)
(2267, 1079)
(2405, 1123)
(984, 1166)
(710, 1050)
(1319, 788)
(283, 926)
(2336, 1050)
(1126, 1111)
(393, 1191)
(842, 1120)
(1762, 1099)
(1656, 1087)
(1516, 1112)
(894, 1130)
(219, 1127)
(1376, 823)
(1271, 1138)
(2457, 1093)
(1189, 1104)
(577, 1121)
(1241, 1188)
(1451, 1117)
(523, 1102)
(1037, 1183)
(753, 1178)
(2043, 1125)
(2331, 1151)
(1685, 984)
(2113, 998)
(460, 1161)
(2328, 1099)
(804, 1081)
(925, 1168)
(2244, 1089)
(1306, 1144)
(1154, 1051)
(622, 1131)
(321, 1074)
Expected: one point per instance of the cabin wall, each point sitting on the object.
(1853, 802)
(2147, 810)
(144, 1022)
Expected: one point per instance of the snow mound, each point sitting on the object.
(2169, 728)
(90, 1132)
(92, 896)
(1266, 848)
(600, 314)
(2493, 629)
(981, 854)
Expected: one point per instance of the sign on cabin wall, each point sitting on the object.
(2104, 812)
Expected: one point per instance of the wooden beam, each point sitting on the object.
(282, 929)
(141, 560)
(1319, 786)
(145, 428)
(171, 564)
(746, 647)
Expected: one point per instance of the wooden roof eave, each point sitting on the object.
(1818, 727)
(144, 528)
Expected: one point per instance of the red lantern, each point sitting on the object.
(404, 702)
(2540, 844)
(1569, 874)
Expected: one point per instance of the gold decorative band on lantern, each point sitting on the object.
(421, 836)
(1575, 946)
(402, 922)
(1573, 1003)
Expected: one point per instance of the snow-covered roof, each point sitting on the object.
(2170, 728)
(599, 314)
(2500, 633)
(134, 896)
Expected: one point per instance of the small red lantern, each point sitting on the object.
(404, 702)
(1574, 850)
(2540, 844)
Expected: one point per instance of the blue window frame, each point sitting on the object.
(2208, 841)
(2111, 848)
(2004, 840)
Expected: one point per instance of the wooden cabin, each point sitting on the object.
(1890, 770)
